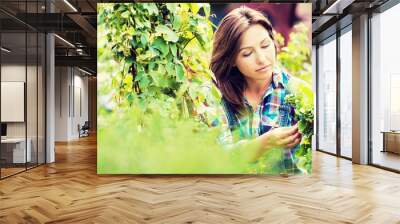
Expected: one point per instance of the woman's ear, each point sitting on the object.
(277, 47)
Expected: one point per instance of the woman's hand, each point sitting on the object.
(282, 137)
(277, 138)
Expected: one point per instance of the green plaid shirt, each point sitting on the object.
(271, 113)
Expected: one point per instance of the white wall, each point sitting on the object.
(33, 126)
(14, 72)
(61, 103)
(71, 87)
(81, 89)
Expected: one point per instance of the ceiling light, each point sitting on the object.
(337, 7)
(86, 72)
(70, 5)
(5, 50)
(64, 40)
(333, 6)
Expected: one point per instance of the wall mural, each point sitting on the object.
(199, 88)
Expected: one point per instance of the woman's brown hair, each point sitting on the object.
(229, 79)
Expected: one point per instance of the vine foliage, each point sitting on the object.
(162, 49)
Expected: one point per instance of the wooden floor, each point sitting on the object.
(70, 191)
(10, 171)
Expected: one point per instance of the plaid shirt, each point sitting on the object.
(271, 113)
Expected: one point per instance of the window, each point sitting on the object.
(346, 93)
(327, 96)
(385, 89)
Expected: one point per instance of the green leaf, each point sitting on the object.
(173, 49)
(152, 65)
(139, 76)
(199, 38)
(160, 45)
(151, 8)
(172, 7)
(130, 97)
(201, 97)
(129, 61)
(128, 80)
(182, 89)
(161, 70)
(215, 92)
(144, 82)
(143, 40)
(147, 24)
(168, 34)
(180, 71)
(126, 14)
(133, 42)
(163, 82)
(177, 22)
(140, 72)
(170, 69)
(206, 8)
(130, 31)
(138, 22)
(147, 56)
(194, 7)
(193, 21)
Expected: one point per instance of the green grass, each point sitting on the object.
(163, 146)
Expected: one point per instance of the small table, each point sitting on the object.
(18, 151)
(391, 141)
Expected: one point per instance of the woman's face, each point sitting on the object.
(256, 56)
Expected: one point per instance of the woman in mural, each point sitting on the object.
(253, 87)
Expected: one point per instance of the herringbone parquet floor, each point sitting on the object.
(70, 191)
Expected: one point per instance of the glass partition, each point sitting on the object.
(346, 93)
(14, 151)
(327, 96)
(22, 64)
